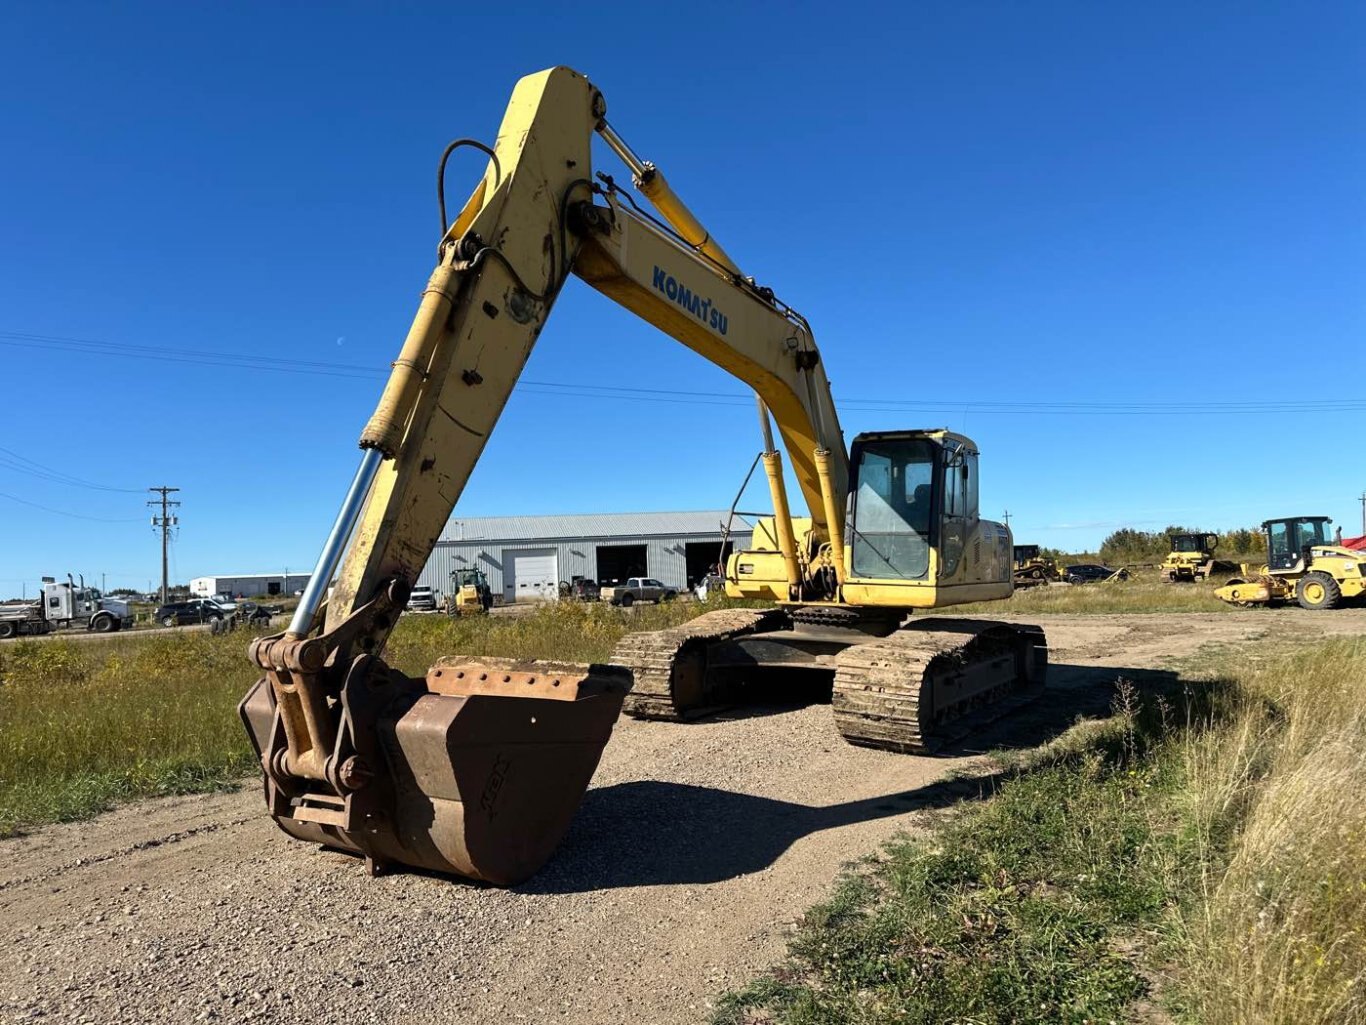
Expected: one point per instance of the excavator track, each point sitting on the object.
(935, 682)
(670, 666)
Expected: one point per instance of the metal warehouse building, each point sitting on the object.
(249, 585)
(526, 557)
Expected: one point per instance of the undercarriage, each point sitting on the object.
(901, 686)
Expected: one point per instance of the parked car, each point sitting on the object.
(638, 589)
(423, 599)
(1087, 573)
(196, 610)
(583, 589)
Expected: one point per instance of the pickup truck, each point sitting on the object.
(638, 589)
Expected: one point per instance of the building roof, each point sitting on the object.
(591, 525)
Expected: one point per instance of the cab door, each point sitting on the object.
(959, 488)
(1281, 548)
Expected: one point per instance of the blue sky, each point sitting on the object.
(974, 204)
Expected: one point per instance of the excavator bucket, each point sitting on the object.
(476, 770)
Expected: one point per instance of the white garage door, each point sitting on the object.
(532, 575)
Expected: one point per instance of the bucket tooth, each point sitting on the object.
(484, 765)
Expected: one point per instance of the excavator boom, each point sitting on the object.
(478, 767)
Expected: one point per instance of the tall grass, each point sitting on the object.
(1277, 931)
(1201, 850)
(86, 724)
(569, 631)
(83, 725)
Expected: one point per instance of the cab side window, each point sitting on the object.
(960, 486)
(970, 494)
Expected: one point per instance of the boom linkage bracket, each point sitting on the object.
(322, 763)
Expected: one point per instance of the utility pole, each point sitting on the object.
(1362, 500)
(164, 523)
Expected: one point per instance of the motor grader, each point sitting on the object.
(1030, 569)
(1303, 563)
(1191, 558)
(477, 767)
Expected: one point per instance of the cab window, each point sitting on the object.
(1312, 532)
(892, 528)
(1280, 551)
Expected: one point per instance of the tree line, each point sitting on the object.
(1127, 545)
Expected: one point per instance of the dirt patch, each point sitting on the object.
(694, 852)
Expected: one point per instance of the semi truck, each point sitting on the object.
(63, 605)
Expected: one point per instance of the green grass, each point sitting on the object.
(571, 631)
(1144, 592)
(85, 724)
(1200, 852)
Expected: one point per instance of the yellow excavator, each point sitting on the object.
(478, 767)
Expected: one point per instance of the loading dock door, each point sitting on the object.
(532, 575)
(618, 562)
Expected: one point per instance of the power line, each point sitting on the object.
(947, 406)
(62, 512)
(12, 460)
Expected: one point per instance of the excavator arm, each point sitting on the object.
(535, 217)
(478, 767)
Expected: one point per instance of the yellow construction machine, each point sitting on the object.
(470, 593)
(1191, 558)
(1030, 568)
(478, 767)
(1303, 563)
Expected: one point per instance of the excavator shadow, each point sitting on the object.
(650, 832)
(653, 832)
(1073, 693)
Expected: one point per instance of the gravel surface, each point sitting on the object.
(693, 854)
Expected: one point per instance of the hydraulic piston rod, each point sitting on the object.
(651, 182)
(335, 546)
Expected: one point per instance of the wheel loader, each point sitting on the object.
(1304, 564)
(1030, 569)
(470, 593)
(477, 767)
(1191, 558)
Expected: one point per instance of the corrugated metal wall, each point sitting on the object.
(250, 585)
(665, 558)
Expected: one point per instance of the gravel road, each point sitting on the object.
(695, 851)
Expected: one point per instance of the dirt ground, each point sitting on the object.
(693, 854)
